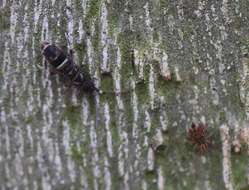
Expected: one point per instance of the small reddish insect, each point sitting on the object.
(198, 136)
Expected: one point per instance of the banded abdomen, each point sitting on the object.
(64, 64)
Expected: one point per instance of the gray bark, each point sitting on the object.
(168, 64)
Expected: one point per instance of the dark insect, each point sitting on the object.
(63, 64)
(198, 136)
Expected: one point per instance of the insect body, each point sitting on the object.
(64, 64)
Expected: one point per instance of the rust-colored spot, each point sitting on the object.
(198, 136)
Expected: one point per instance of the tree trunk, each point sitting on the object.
(163, 65)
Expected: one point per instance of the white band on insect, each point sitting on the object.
(63, 63)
